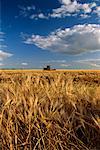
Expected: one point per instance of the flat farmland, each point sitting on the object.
(49, 110)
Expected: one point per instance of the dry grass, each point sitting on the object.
(49, 110)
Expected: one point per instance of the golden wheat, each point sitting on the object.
(54, 110)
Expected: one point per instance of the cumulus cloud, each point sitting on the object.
(75, 40)
(65, 2)
(4, 55)
(72, 7)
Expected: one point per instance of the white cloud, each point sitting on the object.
(1, 40)
(4, 55)
(2, 33)
(75, 40)
(24, 64)
(32, 16)
(1, 64)
(64, 10)
(94, 65)
(97, 11)
(65, 65)
(54, 61)
(86, 8)
(57, 61)
(84, 16)
(25, 11)
(72, 7)
(65, 2)
(3, 46)
(41, 16)
(90, 62)
(67, 8)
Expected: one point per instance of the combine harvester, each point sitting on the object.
(48, 68)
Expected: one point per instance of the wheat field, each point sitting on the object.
(49, 110)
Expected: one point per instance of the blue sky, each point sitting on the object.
(62, 33)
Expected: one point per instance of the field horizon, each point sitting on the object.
(65, 70)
